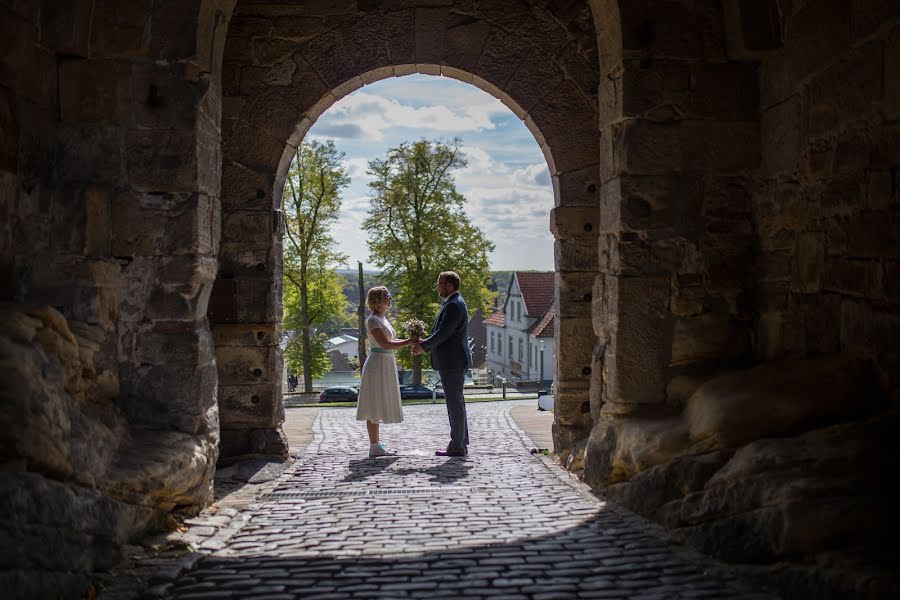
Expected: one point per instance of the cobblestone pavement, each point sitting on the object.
(500, 523)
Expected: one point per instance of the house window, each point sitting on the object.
(521, 350)
(500, 344)
(492, 341)
(510, 347)
(518, 311)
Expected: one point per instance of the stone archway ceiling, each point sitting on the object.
(286, 64)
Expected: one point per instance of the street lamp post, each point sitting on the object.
(542, 364)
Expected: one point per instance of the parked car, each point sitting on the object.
(417, 392)
(339, 394)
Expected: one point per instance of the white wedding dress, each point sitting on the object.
(379, 391)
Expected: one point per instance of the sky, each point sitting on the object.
(506, 181)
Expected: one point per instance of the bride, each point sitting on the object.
(379, 392)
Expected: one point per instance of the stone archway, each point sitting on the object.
(284, 66)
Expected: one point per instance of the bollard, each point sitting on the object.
(503, 385)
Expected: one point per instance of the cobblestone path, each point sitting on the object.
(499, 523)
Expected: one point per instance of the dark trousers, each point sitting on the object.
(456, 407)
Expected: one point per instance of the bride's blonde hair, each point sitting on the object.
(376, 297)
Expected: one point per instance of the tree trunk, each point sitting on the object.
(362, 318)
(307, 348)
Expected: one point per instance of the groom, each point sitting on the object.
(450, 356)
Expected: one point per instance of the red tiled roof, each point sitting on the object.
(538, 288)
(498, 319)
(544, 327)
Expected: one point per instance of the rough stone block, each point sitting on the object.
(276, 110)
(400, 32)
(574, 351)
(643, 147)
(247, 260)
(122, 30)
(867, 330)
(781, 136)
(576, 149)
(333, 57)
(246, 189)
(557, 111)
(163, 224)
(162, 98)
(577, 188)
(162, 160)
(575, 222)
(892, 280)
(248, 227)
(648, 86)
(635, 363)
(431, 24)
(577, 254)
(9, 124)
(90, 153)
(809, 261)
(66, 29)
(167, 288)
(892, 76)
(775, 399)
(256, 334)
(575, 289)
(874, 234)
(97, 221)
(665, 28)
(853, 277)
(724, 91)
(149, 399)
(708, 339)
(222, 306)
(846, 91)
(251, 406)
(258, 300)
(238, 444)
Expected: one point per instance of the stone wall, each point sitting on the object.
(748, 328)
(725, 175)
(109, 231)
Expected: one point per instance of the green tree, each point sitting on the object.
(417, 227)
(311, 203)
(325, 295)
(320, 362)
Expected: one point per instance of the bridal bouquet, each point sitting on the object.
(414, 328)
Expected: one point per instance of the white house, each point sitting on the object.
(520, 336)
(345, 344)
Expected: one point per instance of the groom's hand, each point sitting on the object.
(417, 349)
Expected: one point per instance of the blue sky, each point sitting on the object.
(506, 181)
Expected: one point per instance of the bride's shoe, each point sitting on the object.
(376, 450)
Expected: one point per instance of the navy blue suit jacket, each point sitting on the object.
(448, 342)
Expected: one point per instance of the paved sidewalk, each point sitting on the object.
(500, 523)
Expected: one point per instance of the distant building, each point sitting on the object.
(344, 344)
(520, 336)
(477, 334)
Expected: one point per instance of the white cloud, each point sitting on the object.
(356, 168)
(366, 115)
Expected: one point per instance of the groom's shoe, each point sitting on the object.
(449, 452)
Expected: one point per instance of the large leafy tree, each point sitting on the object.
(417, 227)
(325, 296)
(312, 290)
